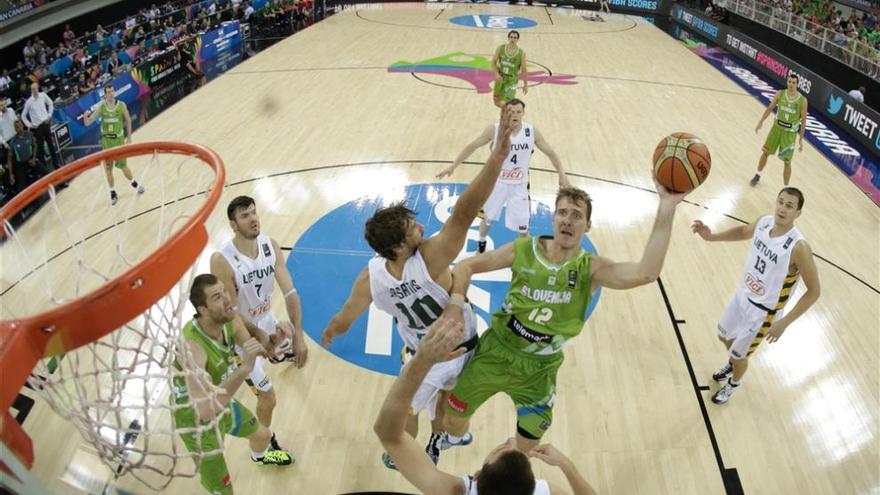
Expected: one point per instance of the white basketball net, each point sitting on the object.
(115, 390)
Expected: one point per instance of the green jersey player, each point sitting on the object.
(790, 122)
(509, 63)
(210, 339)
(114, 115)
(553, 281)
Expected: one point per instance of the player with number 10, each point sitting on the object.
(411, 279)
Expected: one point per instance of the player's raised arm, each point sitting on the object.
(440, 344)
(548, 150)
(358, 301)
(482, 140)
(628, 275)
(738, 233)
(440, 250)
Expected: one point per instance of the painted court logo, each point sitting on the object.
(328, 257)
(475, 70)
(493, 21)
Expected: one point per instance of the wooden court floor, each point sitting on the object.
(319, 120)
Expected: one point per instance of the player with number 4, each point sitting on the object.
(411, 279)
(512, 188)
(553, 281)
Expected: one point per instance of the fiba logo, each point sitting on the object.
(328, 257)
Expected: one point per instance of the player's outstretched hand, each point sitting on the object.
(446, 172)
(441, 342)
(701, 229)
(549, 454)
(665, 194)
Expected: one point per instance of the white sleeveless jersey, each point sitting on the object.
(766, 268)
(414, 301)
(515, 169)
(470, 486)
(254, 281)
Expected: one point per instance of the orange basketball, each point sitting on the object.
(681, 162)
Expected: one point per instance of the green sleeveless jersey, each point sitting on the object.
(112, 120)
(788, 112)
(220, 361)
(546, 304)
(509, 66)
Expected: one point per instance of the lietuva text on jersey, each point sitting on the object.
(404, 290)
(546, 295)
(766, 251)
(519, 146)
(259, 273)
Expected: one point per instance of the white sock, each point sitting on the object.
(452, 438)
(258, 455)
(112, 190)
(482, 238)
(735, 383)
(758, 174)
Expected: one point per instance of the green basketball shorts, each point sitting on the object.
(781, 141)
(529, 380)
(107, 143)
(237, 421)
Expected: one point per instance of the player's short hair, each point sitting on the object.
(794, 192)
(792, 75)
(509, 474)
(108, 86)
(515, 101)
(241, 202)
(386, 229)
(513, 32)
(197, 295)
(578, 196)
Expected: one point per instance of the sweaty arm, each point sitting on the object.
(627, 275)
(768, 110)
(738, 233)
(440, 250)
(482, 140)
(409, 457)
(806, 266)
(554, 158)
(358, 301)
(293, 305)
(465, 269)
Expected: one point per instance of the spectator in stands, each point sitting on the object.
(7, 132)
(130, 22)
(858, 94)
(100, 33)
(61, 50)
(68, 36)
(248, 10)
(29, 53)
(5, 81)
(84, 85)
(114, 66)
(37, 115)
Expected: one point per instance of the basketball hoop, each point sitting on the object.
(126, 304)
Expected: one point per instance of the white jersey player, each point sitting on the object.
(416, 301)
(778, 256)
(249, 265)
(512, 188)
(417, 269)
